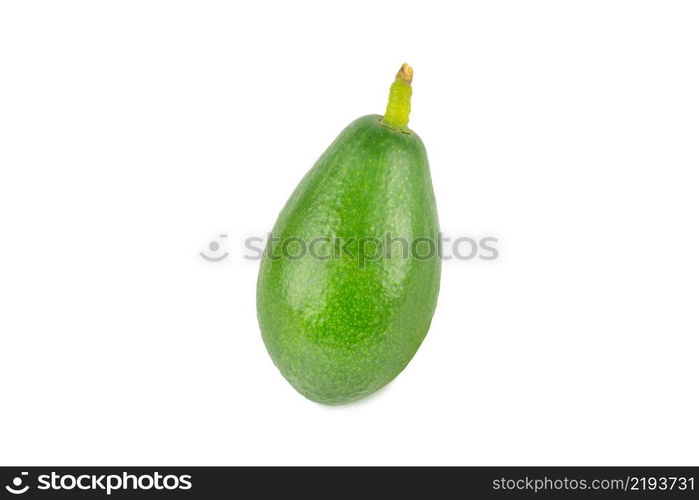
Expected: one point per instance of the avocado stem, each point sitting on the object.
(398, 108)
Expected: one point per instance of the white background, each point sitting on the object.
(134, 133)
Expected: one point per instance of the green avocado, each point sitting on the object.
(349, 279)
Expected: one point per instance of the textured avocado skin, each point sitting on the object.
(338, 330)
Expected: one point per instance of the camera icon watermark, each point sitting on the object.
(17, 488)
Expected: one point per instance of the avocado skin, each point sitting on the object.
(337, 330)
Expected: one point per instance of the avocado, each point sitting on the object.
(349, 279)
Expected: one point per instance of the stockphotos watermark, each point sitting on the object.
(105, 483)
(362, 249)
